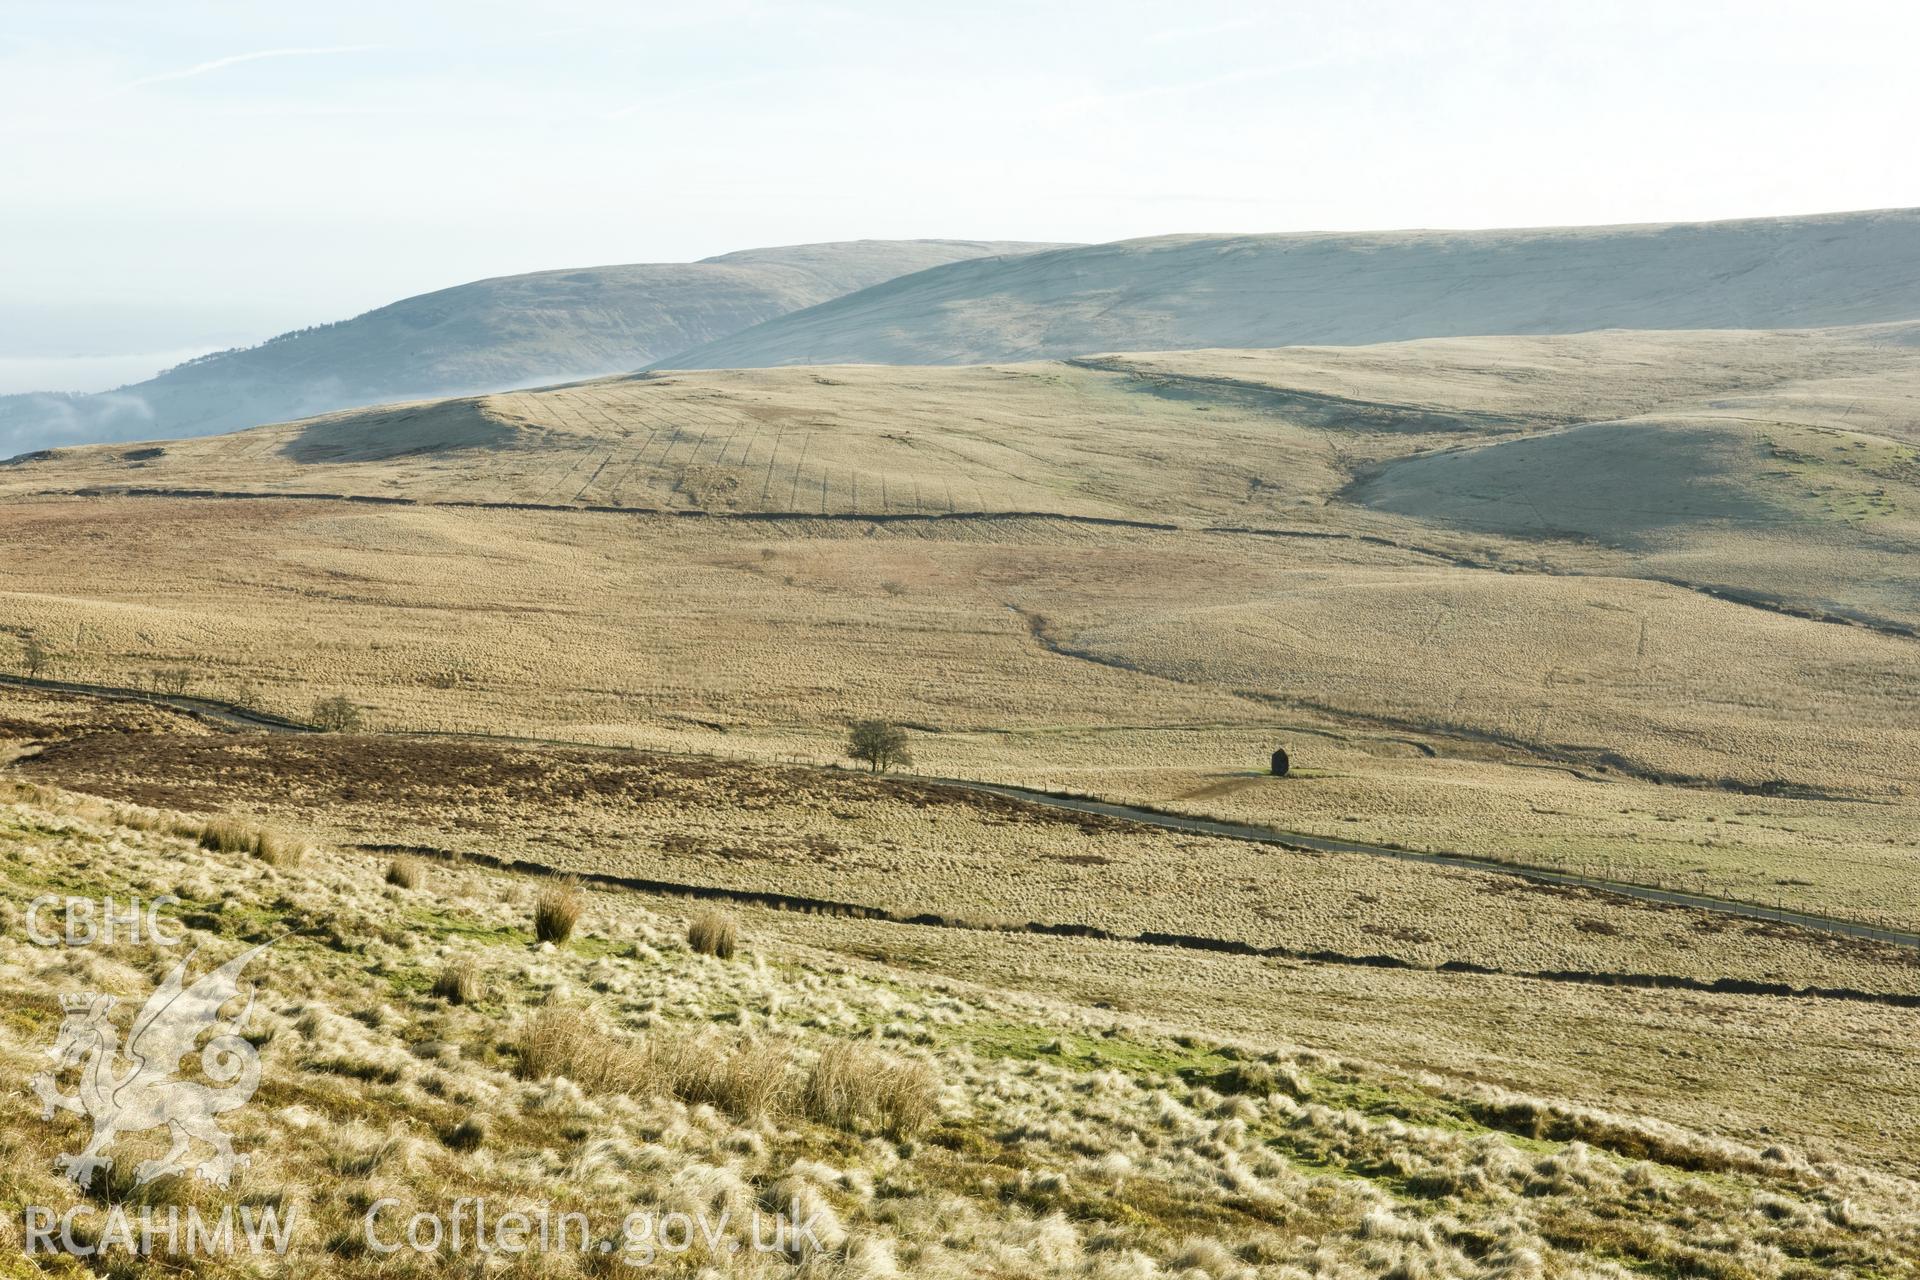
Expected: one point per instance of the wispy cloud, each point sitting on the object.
(218, 64)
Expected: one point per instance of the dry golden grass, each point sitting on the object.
(1755, 1068)
(31, 714)
(1548, 380)
(744, 1078)
(406, 872)
(1032, 438)
(844, 836)
(714, 933)
(557, 910)
(1048, 1113)
(562, 1041)
(278, 849)
(1323, 573)
(460, 981)
(690, 631)
(852, 1086)
(229, 835)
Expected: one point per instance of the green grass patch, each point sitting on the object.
(445, 924)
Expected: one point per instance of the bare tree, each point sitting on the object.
(172, 680)
(879, 745)
(36, 657)
(336, 715)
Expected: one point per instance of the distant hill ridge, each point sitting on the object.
(489, 335)
(1195, 291)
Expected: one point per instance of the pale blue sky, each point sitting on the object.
(182, 175)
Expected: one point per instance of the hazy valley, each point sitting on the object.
(491, 334)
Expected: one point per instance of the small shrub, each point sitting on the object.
(337, 714)
(459, 982)
(406, 871)
(853, 1087)
(557, 910)
(714, 933)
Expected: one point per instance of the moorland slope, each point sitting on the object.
(1132, 575)
(1177, 292)
(416, 1043)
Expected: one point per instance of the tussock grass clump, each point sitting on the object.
(469, 1135)
(853, 1087)
(459, 982)
(407, 872)
(1258, 1078)
(714, 933)
(557, 910)
(367, 1158)
(121, 1186)
(562, 1041)
(744, 1078)
(278, 850)
(231, 835)
(228, 835)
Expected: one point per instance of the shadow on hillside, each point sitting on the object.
(374, 435)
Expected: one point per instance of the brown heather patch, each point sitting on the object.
(328, 770)
(900, 846)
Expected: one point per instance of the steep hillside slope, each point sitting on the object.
(1178, 292)
(485, 336)
(417, 1049)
